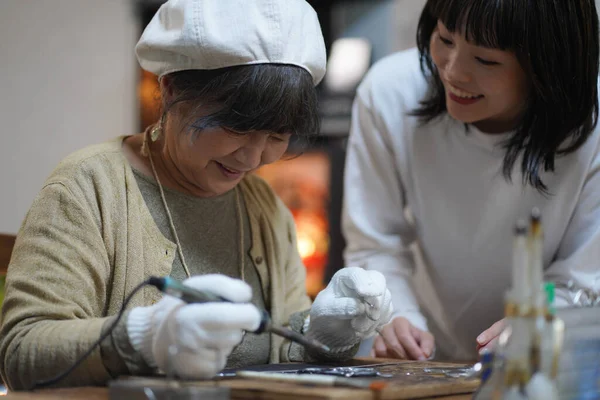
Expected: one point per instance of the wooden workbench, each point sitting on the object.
(409, 382)
(92, 393)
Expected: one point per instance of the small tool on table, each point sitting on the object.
(190, 295)
(456, 372)
(322, 380)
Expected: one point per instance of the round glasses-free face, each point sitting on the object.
(485, 87)
(217, 159)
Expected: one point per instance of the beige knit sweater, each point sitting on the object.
(88, 240)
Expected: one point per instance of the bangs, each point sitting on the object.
(557, 44)
(497, 24)
(263, 97)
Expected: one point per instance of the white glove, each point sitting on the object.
(351, 308)
(204, 334)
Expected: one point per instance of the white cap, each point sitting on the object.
(212, 34)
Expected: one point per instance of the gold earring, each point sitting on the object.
(156, 132)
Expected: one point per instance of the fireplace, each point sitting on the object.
(308, 178)
(302, 183)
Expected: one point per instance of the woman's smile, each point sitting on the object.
(229, 172)
(461, 96)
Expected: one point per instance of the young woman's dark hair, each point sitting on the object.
(265, 97)
(559, 56)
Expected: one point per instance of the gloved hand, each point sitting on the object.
(205, 334)
(351, 308)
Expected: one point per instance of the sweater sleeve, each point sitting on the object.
(576, 267)
(377, 233)
(55, 294)
(118, 355)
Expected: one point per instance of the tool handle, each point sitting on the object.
(190, 295)
(265, 322)
(282, 377)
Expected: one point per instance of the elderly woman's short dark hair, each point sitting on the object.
(261, 97)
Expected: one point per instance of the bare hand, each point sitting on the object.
(401, 339)
(489, 338)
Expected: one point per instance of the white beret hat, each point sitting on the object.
(212, 34)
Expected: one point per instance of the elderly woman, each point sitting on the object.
(237, 81)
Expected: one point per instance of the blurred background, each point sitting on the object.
(69, 79)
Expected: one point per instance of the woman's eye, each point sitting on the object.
(486, 62)
(276, 138)
(447, 42)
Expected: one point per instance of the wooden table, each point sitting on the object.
(95, 393)
(409, 382)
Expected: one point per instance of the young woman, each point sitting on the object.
(237, 81)
(494, 113)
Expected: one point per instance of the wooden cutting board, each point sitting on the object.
(409, 381)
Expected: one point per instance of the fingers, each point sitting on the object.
(400, 339)
(186, 357)
(204, 335)
(220, 317)
(378, 309)
(355, 293)
(489, 346)
(373, 302)
(342, 307)
(489, 334)
(358, 282)
(393, 346)
(379, 348)
(387, 344)
(407, 338)
(425, 340)
(378, 313)
(194, 340)
(373, 308)
(388, 350)
(233, 290)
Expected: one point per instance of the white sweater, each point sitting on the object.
(442, 187)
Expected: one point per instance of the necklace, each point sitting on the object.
(170, 218)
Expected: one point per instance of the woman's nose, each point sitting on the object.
(251, 153)
(456, 69)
